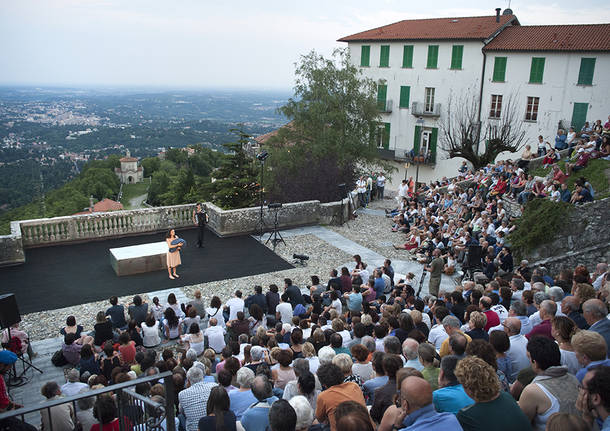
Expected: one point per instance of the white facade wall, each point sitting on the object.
(447, 82)
(558, 92)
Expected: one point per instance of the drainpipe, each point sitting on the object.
(481, 98)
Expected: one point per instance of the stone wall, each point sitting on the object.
(11, 247)
(584, 239)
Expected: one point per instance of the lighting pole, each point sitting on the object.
(420, 123)
(407, 166)
(262, 156)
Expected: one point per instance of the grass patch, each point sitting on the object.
(131, 191)
(595, 173)
(540, 220)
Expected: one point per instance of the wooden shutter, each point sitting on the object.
(405, 95)
(456, 56)
(365, 55)
(579, 115)
(416, 140)
(407, 56)
(432, 57)
(537, 70)
(432, 145)
(384, 57)
(587, 69)
(382, 93)
(499, 69)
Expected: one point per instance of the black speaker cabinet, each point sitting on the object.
(9, 311)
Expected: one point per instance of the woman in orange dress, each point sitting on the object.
(173, 254)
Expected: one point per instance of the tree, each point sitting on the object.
(236, 184)
(333, 112)
(461, 132)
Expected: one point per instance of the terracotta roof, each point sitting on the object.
(262, 139)
(476, 27)
(586, 37)
(104, 205)
(128, 159)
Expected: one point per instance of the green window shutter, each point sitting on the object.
(499, 69)
(432, 57)
(416, 140)
(407, 56)
(405, 95)
(456, 56)
(384, 57)
(433, 139)
(587, 69)
(537, 70)
(382, 94)
(386, 136)
(365, 56)
(579, 115)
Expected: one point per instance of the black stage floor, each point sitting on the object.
(64, 275)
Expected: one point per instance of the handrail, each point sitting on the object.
(167, 376)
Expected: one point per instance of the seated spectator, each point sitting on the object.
(547, 310)
(191, 317)
(71, 349)
(110, 360)
(284, 373)
(150, 331)
(215, 335)
(171, 324)
(477, 324)
(282, 417)
(450, 397)
(103, 329)
(345, 363)
(138, 310)
(493, 408)
(215, 311)
(88, 360)
(418, 410)
(304, 413)
(427, 357)
(384, 395)
(218, 412)
(363, 367)
(595, 313)
(127, 349)
(198, 304)
(74, 385)
(305, 384)
(501, 344)
(581, 162)
(194, 339)
(193, 399)
(116, 313)
(71, 327)
(563, 330)
(242, 398)
(553, 389)
(594, 398)
(256, 417)
(60, 417)
(378, 381)
(106, 413)
(335, 392)
(591, 350)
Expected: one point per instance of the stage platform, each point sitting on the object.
(64, 275)
(136, 259)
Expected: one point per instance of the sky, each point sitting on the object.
(213, 44)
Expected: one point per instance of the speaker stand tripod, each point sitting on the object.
(14, 379)
(275, 236)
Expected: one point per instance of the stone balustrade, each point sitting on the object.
(60, 230)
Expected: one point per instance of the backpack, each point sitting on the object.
(58, 359)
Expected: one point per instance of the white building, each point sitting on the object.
(420, 65)
(129, 172)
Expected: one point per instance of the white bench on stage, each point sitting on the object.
(136, 259)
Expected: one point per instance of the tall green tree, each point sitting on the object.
(236, 184)
(333, 115)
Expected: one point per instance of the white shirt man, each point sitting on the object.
(285, 311)
(235, 304)
(216, 335)
(437, 335)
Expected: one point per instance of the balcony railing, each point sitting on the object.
(134, 410)
(419, 110)
(384, 106)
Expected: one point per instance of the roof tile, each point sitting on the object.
(478, 28)
(585, 37)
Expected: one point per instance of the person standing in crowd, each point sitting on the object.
(380, 185)
(200, 218)
(173, 253)
(436, 271)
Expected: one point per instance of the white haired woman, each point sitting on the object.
(304, 412)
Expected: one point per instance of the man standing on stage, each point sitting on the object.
(436, 271)
(200, 218)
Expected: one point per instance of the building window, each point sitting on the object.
(587, 68)
(432, 57)
(382, 136)
(365, 56)
(537, 70)
(407, 56)
(382, 94)
(531, 114)
(456, 56)
(499, 69)
(405, 95)
(429, 104)
(384, 56)
(496, 106)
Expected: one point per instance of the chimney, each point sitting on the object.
(498, 14)
(91, 204)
